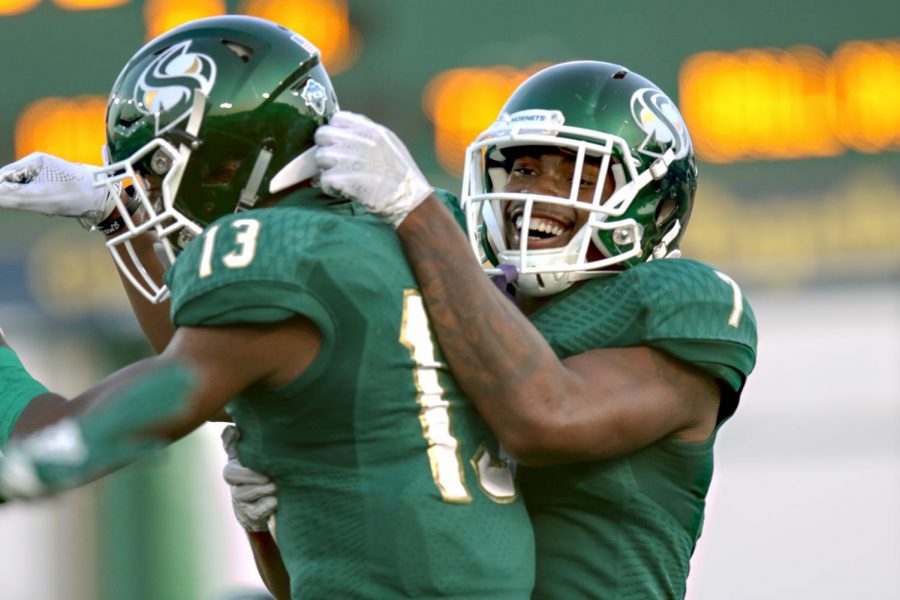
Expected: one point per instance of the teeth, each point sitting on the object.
(540, 225)
(548, 227)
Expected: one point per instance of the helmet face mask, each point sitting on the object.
(149, 207)
(595, 113)
(211, 118)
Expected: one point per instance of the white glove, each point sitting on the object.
(365, 161)
(252, 494)
(46, 184)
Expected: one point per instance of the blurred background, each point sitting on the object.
(795, 116)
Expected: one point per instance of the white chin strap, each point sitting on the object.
(662, 248)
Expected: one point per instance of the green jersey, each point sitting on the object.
(625, 528)
(386, 483)
(19, 389)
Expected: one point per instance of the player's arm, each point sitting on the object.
(599, 404)
(254, 500)
(230, 359)
(153, 318)
(270, 564)
(49, 185)
(138, 407)
(27, 405)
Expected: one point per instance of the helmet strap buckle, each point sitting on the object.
(661, 250)
(249, 195)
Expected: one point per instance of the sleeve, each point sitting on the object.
(702, 317)
(256, 269)
(18, 389)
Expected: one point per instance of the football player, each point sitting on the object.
(387, 482)
(611, 375)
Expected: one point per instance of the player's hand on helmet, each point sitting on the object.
(363, 160)
(49, 185)
(253, 495)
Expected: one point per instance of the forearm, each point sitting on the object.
(153, 318)
(27, 405)
(270, 564)
(41, 410)
(73, 451)
(47, 408)
(498, 358)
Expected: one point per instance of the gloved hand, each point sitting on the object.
(46, 184)
(253, 495)
(363, 160)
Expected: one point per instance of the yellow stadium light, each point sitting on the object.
(867, 85)
(325, 23)
(755, 104)
(72, 128)
(15, 7)
(89, 4)
(162, 15)
(780, 104)
(462, 103)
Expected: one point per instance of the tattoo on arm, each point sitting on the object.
(493, 325)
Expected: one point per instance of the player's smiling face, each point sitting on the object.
(549, 172)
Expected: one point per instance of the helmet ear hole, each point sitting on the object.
(665, 209)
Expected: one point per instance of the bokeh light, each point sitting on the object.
(71, 128)
(162, 15)
(867, 85)
(759, 103)
(325, 23)
(15, 7)
(777, 104)
(89, 4)
(462, 103)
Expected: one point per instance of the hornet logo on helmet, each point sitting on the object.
(658, 117)
(315, 96)
(166, 87)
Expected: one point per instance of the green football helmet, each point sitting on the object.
(210, 118)
(584, 109)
